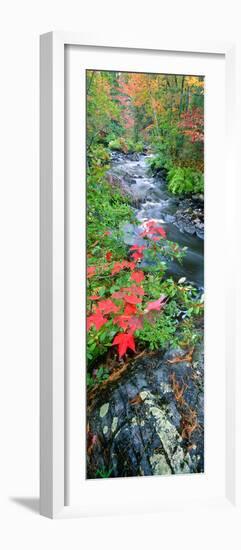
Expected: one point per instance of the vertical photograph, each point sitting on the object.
(145, 274)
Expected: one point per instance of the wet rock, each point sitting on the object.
(169, 218)
(131, 180)
(189, 216)
(150, 422)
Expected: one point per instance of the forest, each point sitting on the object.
(145, 299)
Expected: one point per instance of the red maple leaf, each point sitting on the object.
(150, 223)
(132, 299)
(151, 229)
(118, 266)
(118, 295)
(107, 306)
(97, 320)
(137, 256)
(108, 256)
(131, 321)
(138, 276)
(90, 271)
(122, 321)
(144, 233)
(130, 309)
(124, 341)
(157, 305)
(138, 248)
(134, 289)
(135, 323)
(161, 231)
(94, 297)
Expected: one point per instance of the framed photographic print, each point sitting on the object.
(138, 393)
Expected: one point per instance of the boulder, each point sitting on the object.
(150, 421)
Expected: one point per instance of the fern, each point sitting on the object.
(185, 181)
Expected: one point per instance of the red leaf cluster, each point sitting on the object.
(108, 256)
(138, 252)
(91, 271)
(126, 314)
(132, 299)
(96, 320)
(153, 230)
(118, 266)
(157, 305)
(192, 124)
(107, 306)
(138, 276)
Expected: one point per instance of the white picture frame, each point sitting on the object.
(52, 265)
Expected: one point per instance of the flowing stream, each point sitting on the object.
(152, 200)
(137, 425)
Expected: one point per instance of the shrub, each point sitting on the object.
(119, 144)
(185, 181)
(138, 147)
(135, 146)
(98, 156)
(126, 146)
(159, 164)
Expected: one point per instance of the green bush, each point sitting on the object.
(135, 146)
(126, 146)
(185, 181)
(160, 163)
(98, 156)
(139, 147)
(118, 144)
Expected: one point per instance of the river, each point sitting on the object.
(151, 200)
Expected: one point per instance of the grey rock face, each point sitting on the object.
(150, 422)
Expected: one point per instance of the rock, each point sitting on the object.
(130, 180)
(185, 226)
(150, 422)
(169, 218)
(198, 197)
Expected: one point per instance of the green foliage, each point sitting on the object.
(102, 374)
(103, 473)
(98, 156)
(176, 324)
(128, 112)
(185, 181)
(126, 146)
(103, 113)
(159, 163)
(119, 144)
(107, 210)
(137, 147)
